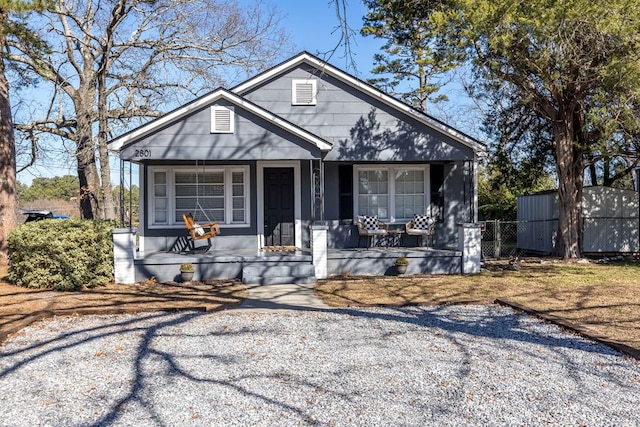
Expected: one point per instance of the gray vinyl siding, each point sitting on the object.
(457, 205)
(331, 193)
(190, 138)
(361, 128)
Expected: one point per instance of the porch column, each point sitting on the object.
(317, 190)
(469, 241)
(319, 250)
(124, 250)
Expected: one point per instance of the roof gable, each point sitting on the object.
(354, 82)
(219, 94)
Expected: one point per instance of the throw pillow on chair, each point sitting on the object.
(369, 222)
(422, 222)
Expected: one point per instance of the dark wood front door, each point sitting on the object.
(278, 207)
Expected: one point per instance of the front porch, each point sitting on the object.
(269, 267)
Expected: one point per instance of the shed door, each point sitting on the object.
(278, 207)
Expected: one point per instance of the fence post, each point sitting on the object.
(496, 239)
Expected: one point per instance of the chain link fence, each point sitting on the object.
(599, 235)
(500, 239)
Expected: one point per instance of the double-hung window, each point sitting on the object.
(393, 193)
(373, 192)
(195, 193)
(159, 198)
(410, 191)
(214, 194)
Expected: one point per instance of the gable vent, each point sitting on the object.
(221, 119)
(304, 92)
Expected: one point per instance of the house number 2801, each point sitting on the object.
(142, 153)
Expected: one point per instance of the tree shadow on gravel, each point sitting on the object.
(457, 331)
(145, 350)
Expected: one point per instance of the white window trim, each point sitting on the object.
(172, 221)
(391, 169)
(141, 213)
(215, 108)
(314, 89)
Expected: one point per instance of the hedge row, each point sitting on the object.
(61, 254)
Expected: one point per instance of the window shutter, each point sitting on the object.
(304, 92)
(221, 120)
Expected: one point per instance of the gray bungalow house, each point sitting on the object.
(289, 159)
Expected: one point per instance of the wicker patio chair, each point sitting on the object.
(370, 228)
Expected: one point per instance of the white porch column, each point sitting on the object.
(469, 243)
(319, 250)
(124, 250)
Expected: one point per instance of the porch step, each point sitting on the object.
(294, 273)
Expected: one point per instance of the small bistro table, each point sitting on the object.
(393, 237)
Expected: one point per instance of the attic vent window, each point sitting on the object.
(303, 92)
(221, 119)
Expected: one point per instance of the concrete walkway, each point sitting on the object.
(281, 297)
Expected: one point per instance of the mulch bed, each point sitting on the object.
(20, 307)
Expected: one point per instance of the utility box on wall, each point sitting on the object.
(610, 221)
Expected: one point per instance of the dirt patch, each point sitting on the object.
(601, 298)
(604, 299)
(21, 306)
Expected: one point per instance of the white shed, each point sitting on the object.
(610, 221)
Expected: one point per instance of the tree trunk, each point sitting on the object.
(606, 171)
(569, 167)
(86, 176)
(106, 193)
(87, 170)
(106, 196)
(421, 92)
(593, 175)
(7, 158)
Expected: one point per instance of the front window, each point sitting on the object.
(202, 193)
(393, 193)
(373, 193)
(410, 191)
(214, 194)
(160, 197)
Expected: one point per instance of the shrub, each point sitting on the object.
(187, 267)
(61, 254)
(402, 261)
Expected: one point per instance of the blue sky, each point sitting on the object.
(312, 25)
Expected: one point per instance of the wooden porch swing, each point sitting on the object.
(198, 231)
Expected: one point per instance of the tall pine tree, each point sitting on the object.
(7, 139)
(410, 67)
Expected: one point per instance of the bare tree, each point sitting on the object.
(118, 62)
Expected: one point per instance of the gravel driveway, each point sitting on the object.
(456, 365)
